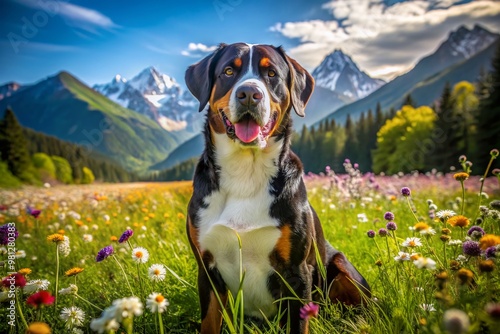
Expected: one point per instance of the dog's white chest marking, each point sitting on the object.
(241, 207)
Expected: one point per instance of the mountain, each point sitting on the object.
(338, 73)
(460, 46)
(157, 96)
(66, 108)
(187, 150)
(8, 89)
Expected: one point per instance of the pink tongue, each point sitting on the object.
(247, 130)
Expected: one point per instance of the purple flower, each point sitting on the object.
(6, 232)
(389, 216)
(125, 236)
(475, 232)
(405, 191)
(347, 161)
(491, 252)
(34, 213)
(391, 226)
(370, 234)
(356, 166)
(382, 232)
(471, 248)
(309, 310)
(104, 253)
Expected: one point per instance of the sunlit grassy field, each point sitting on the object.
(444, 269)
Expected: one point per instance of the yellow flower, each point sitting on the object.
(459, 220)
(462, 176)
(24, 271)
(421, 226)
(114, 238)
(73, 271)
(61, 231)
(489, 240)
(415, 256)
(38, 328)
(57, 237)
(180, 215)
(465, 276)
(78, 223)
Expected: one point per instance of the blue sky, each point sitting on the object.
(95, 39)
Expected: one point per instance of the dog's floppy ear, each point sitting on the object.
(199, 77)
(301, 85)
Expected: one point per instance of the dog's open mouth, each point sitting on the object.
(248, 131)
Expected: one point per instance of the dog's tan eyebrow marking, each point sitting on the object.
(237, 62)
(265, 62)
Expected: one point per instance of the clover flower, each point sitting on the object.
(389, 216)
(471, 248)
(371, 234)
(382, 232)
(309, 310)
(391, 226)
(405, 191)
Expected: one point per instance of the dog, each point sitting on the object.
(249, 200)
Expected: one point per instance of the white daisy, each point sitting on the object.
(362, 218)
(428, 307)
(126, 307)
(20, 254)
(87, 238)
(156, 303)
(157, 272)
(72, 316)
(425, 263)
(412, 242)
(140, 255)
(71, 290)
(36, 285)
(445, 214)
(106, 322)
(402, 256)
(456, 242)
(428, 231)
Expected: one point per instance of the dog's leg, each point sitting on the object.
(211, 306)
(345, 284)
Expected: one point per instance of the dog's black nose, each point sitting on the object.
(249, 95)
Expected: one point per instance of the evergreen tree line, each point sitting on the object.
(32, 156)
(181, 171)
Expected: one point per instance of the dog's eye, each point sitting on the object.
(228, 71)
(271, 73)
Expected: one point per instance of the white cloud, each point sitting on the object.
(74, 15)
(385, 40)
(197, 50)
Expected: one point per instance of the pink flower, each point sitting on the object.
(309, 310)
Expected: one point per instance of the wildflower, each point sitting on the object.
(140, 255)
(460, 221)
(420, 226)
(455, 265)
(455, 242)
(402, 256)
(113, 238)
(382, 232)
(33, 212)
(126, 235)
(471, 248)
(309, 310)
(57, 238)
(371, 234)
(433, 207)
(20, 254)
(106, 322)
(72, 316)
(444, 238)
(73, 271)
(462, 158)
(24, 271)
(486, 266)
(362, 218)
(461, 176)
(87, 238)
(63, 247)
(489, 240)
(389, 216)
(446, 231)
(495, 204)
(493, 310)
(127, 307)
(36, 285)
(428, 307)
(490, 252)
(104, 253)
(412, 242)
(445, 214)
(38, 328)
(41, 298)
(156, 303)
(7, 231)
(16, 278)
(456, 321)
(465, 276)
(157, 272)
(71, 290)
(391, 226)
(475, 232)
(425, 263)
(405, 191)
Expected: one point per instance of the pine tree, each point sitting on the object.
(351, 143)
(447, 122)
(14, 146)
(409, 101)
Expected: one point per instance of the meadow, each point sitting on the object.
(428, 247)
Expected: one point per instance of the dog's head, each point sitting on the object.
(251, 90)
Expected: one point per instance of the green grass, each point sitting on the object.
(156, 213)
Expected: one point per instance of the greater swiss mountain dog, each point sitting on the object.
(249, 191)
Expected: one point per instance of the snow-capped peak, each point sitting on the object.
(465, 42)
(119, 78)
(338, 73)
(151, 81)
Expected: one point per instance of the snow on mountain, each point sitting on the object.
(157, 96)
(465, 43)
(8, 89)
(338, 73)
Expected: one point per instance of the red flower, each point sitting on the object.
(309, 310)
(17, 279)
(40, 298)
